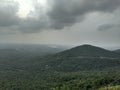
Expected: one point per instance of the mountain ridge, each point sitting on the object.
(84, 57)
(117, 51)
(88, 51)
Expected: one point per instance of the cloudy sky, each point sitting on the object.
(65, 22)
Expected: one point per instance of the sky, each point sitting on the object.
(63, 22)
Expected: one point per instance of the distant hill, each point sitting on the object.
(84, 67)
(21, 52)
(84, 57)
(117, 51)
(15, 56)
(34, 49)
(80, 58)
(88, 51)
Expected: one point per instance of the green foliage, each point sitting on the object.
(117, 87)
(81, 68)
(84, 80)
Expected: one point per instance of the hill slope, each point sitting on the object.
(17, 57)
(85, 57)
(117, 51)
(84, 67)
(88, 51)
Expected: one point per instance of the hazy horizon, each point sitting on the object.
(16, 45)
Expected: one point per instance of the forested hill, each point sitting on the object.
(88, 51)
(117, 51)
(85, 57)
(83, 67)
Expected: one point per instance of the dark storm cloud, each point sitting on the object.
(105, 27)
(62, 13)
(9, 20)
(8, 15)
(65, 13)
(68, 12)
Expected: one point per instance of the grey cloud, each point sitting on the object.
(8, 15)
(62, 13)
(10, 21)
(105, 27)
(31, 25)
(67, 12)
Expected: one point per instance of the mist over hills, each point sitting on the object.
(38, 49)
(18, 56)
(46, 58)
(84, 57)
(45, 67)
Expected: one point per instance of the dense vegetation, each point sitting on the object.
(117, 87)
(84, 80)
(82, 68)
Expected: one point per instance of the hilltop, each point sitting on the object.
(84, 57)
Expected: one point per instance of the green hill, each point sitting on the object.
(117, 51)
(88, 51)
(84, 67)
(85, 57)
